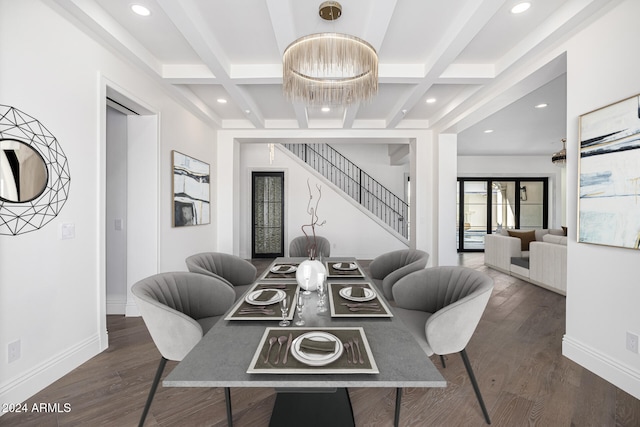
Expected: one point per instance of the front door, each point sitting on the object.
(267, 201)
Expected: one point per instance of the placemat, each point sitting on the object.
(281, 276)
(242, 310)
(342, 307)
(343, 274)
(345, 364)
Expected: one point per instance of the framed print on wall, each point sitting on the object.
(191, 190)
(609, 184)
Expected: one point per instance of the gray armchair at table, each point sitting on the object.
(442, 306)
(178, 309)
(388, 268)
(233, 270)
(299, 247)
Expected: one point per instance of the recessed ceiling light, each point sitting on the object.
(542, 105)
(430, 100)
(325, 109)
(139, 9)
(520, 7)
(247, 111)
(221, 101)
(488, 131)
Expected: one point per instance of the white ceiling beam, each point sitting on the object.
(472, 18)
(110, 33)
(187, 19)
(378, 22)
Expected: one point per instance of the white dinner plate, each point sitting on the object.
(277, 297)
(280, 269)
(316, 359)
(369, 294)
(338, 266)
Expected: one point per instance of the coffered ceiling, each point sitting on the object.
(485, 67)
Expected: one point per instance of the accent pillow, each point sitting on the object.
(526, 237)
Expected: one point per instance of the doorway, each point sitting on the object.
(267, 214)
(130, 206)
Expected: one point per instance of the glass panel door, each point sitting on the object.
(267, 214)
(510, 203)
(532, 204)
(503, 205)
(472, 215)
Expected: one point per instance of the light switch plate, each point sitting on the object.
(67, 231)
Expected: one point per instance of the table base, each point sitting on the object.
(297, 408)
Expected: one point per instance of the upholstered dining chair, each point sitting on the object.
(441, 307)
(178, 309)
(233, 270)
(299, 247)
(386, 269)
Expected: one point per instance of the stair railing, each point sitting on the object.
(355, 182)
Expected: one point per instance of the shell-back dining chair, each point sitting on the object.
(441, 307)
(233, 270)
(178, 308)
(388, 268)
(299, 247)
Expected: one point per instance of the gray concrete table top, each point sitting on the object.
(224, 354)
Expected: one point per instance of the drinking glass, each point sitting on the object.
(300, 307)
(322, 289)
(284, 307)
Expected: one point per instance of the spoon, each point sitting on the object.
(346, 348)
(281, 340)
(271, 341)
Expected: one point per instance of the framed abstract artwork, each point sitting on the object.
(191, 192)
(609, 182)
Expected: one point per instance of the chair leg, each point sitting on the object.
(227, 400)
(396, 417)
(444, 365)
(467, 365)
(152, 392)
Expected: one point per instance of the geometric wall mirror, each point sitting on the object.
(34, 173)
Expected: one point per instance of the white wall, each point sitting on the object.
(424, 167)
(602, 282)
(52, 292)
(350, 231)
(521, 166)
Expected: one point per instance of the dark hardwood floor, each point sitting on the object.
(515, 352)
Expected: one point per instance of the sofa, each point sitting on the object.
(536, 256)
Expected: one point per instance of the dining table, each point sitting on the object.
(248, 348)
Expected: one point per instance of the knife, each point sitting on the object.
(286, 351)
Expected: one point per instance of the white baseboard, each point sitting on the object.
(622, 376)
(116, 306)
(19, 389)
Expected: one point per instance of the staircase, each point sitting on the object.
(356, 183)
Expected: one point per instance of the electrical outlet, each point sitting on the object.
(632, 342)
(14, 351)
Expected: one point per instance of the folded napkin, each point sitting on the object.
(265, 295)
(345, 265)
(284, 268)
(357, 291)
(311, 346)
